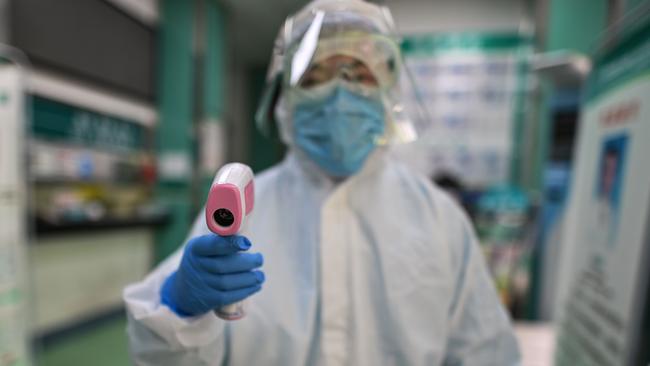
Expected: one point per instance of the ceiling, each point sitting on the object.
(144, 10)
(254, 25)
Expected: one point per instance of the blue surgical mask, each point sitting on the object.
(339, 130)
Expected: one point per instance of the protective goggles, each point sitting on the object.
(368, 60)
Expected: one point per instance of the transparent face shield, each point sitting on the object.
(335, 43)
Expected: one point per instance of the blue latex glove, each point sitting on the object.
(212, 273)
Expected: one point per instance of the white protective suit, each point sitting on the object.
(381, 269)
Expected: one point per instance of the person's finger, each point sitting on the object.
(232, 263)
(231, 297)
(213, 244)
(226, 282)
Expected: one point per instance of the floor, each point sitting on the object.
(537, 343)
(104, 345)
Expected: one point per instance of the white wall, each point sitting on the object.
(425, 16)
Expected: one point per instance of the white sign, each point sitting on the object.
(471, 98)
(11, 125)
(609, 215)
(13, 328)
(175, 166)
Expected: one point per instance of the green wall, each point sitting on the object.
(191, 90)
(174, 137)
(214, 61)
(214, 97)
(572, 25)
(632, 4)
(575, 24)
(264, 151)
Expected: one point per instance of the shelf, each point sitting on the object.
(43, 227)
(565, 69)
(79, 181)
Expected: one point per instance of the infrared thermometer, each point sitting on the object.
(229, 204)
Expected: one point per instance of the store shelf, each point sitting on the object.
(80, 181)
(43, 227)
(78, 276)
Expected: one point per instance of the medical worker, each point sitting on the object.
(350, 258)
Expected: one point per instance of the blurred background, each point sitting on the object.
(115, 115)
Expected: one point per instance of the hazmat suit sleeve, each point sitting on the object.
(480, 329)
(157, 335)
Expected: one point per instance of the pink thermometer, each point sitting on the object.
(230, 201)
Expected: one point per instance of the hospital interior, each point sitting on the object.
(532, 117)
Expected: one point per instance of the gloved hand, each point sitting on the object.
(212, 274)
